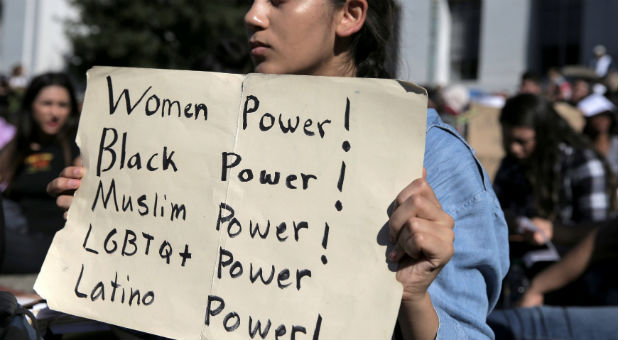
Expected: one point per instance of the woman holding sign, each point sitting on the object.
(451, 276)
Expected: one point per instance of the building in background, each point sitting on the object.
(483, 44)
(488, 44)
(32, 35)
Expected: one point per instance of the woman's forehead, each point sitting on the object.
(519, 130)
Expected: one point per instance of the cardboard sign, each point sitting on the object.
(231, 206)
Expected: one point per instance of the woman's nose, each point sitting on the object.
(256, 18)
(56, 110)
(515, 149)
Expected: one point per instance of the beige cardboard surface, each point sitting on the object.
(292, 175)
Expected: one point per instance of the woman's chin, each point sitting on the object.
(50, 132)
(268, 68)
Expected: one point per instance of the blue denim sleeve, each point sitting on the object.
(468, 287)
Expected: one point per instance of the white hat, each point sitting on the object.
(595, 104)
(456, 96)
(599, 88)
(599, 50)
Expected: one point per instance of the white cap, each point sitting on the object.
(599, 89)
(599, 50)
(456, 96)
(595, 104)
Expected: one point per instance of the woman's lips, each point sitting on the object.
(52, 124)
(258, 49)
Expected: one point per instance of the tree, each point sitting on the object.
(177, 34)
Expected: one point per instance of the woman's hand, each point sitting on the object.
(422, 235)
(65, 185)
(531, 298)
(545, 230)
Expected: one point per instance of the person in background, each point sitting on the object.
(602, 127)
(4, 95)
(558, 88)
(41, 147)
(9, 102)
(611, 81)
(550, 172)
(7, 131)
(581, 90)
(602, 62)
(592, 260)
(454, 104)
(349, 38)
(574, 298)
(18, 80)
(531, 83)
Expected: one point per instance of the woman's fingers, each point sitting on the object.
(414, 207)
(424, 239)
(418, 186)
(69, 180)
(416, 201)
(418, 226)
(62, 185)
(64, 201)
(73, 172)
(531, 299)
(545, 227)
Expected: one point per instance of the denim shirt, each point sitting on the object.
(468, 287)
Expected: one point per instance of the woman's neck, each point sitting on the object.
(338, 65)
(602, 143)
(43, 138)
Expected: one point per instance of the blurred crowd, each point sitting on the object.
(557, 186)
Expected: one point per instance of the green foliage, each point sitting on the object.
(176, 34)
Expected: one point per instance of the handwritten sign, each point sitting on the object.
(229, 206)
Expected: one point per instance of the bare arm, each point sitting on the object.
(560, 273)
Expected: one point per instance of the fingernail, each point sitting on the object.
(392, 255)
(74, 183)
(77, 172)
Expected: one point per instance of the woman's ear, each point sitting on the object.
(352, 17)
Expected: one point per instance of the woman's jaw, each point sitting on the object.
(341, 66)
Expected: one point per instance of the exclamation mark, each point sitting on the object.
(347, 114)
(318, 325)
(346, 147)
(325, 242)
(341, 177)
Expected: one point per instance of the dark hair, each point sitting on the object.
(613, 127)
(28, 131)
(551, 130)
(369, 46)
(531, 76)
(538, 113)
